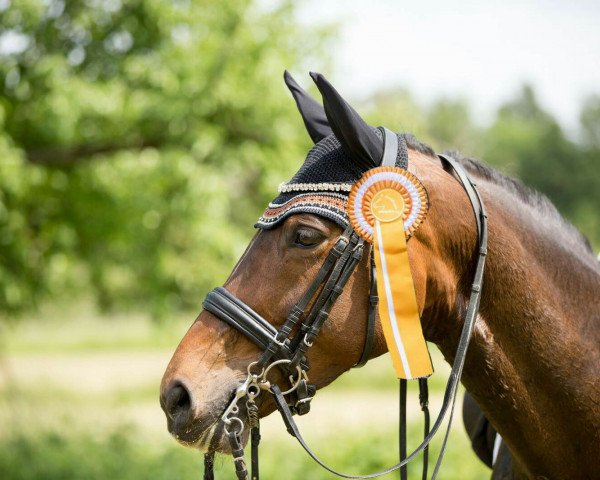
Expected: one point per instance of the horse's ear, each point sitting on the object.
(312, 112)
(358, 139)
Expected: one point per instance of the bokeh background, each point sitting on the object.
(140, 140)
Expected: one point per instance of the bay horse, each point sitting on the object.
(533, 365)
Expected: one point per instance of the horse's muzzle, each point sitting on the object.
(176, 402)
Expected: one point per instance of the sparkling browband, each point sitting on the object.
(325, 204)
(314, 187)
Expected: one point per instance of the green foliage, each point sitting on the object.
(528, 142)
(449, 122)
(140, 141)
(590, 121)
(120, 454)
(55, 455)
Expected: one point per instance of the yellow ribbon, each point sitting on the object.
(398, 310)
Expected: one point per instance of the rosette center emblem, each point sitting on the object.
(386, 194)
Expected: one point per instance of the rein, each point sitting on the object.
(287, 351)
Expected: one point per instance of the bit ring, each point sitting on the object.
(295, 384)
(230, 421)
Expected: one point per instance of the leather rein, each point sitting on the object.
(286, 350)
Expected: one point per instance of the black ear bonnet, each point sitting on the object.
(322, 184)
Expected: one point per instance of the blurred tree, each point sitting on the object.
(445, 123)
(529, 143)
(139, 141)
(590, 121)
(588, 209)
(397, 110)
(449, 123)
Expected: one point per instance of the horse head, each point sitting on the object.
(295, 235)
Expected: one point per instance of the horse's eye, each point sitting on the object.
(307, 237)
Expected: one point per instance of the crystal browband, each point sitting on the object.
(326, 204)
(314, 187)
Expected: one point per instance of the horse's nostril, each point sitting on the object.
(177, 401)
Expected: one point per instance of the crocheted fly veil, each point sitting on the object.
(324, 181)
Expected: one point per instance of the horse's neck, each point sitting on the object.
(534, 358)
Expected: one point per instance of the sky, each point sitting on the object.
(481, 50)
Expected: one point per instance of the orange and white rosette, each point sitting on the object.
(385, 207)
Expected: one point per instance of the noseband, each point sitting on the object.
(286, 347)
(279, 345)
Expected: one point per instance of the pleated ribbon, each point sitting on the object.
(385, 207)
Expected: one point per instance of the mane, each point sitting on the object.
(526, 194)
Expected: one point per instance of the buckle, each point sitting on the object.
(303, 396)
(340, 245)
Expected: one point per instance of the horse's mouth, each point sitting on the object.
(212, 439)
(210, 433)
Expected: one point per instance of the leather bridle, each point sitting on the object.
(286, 347)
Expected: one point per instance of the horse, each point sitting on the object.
(533, 362)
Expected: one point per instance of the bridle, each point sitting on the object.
(286, 348)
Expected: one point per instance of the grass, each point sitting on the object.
(58, 455)
(78, 399)
(78, 329)
(120, 454)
